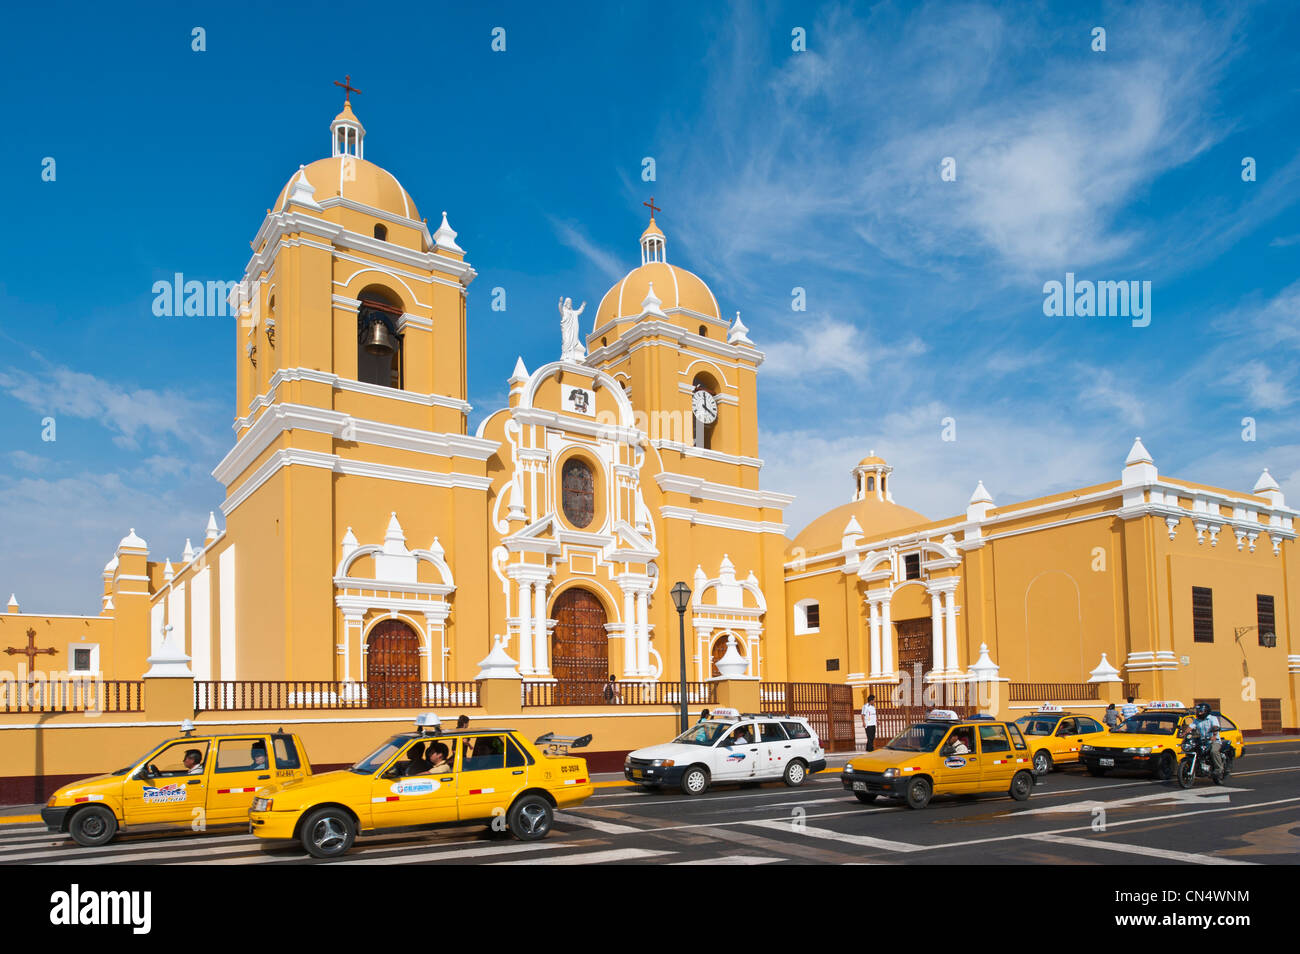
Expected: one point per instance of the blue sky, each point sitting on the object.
(776, 169)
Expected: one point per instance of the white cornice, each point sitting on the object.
(345, 384)
(728, 523)
(702, 489)
(689, 450)
(574, 424)
(332, 462)
(676, 338)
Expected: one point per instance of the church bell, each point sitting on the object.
(378, 340)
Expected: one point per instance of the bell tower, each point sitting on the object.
(690, 373)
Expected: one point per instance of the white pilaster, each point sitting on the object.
(642, 634)
(629, 634)
(541, 658)
(950, 628)
(936, 632)
(875, 638)
(525, 628)
(886, 640)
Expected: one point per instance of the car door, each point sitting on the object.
(775, 749)
(1087, 731)
(955, 772)
(738, 754)
(172, 795)
(398, 799)
(483, 780)
(997, 758)
(241, 767)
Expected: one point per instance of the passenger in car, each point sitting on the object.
(417, 764)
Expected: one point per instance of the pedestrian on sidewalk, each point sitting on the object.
(869, 721)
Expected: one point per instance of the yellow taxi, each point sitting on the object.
(191, 781)
(1150, 741)
(1055, 737)
(945, 755)
(429, 777)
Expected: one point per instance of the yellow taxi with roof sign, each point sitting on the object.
(1151, 741)
(191, 781)
(945, 755)
(1056, 736)
(430, 777)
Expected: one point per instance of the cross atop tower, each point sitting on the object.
(651, 205)
(349, 89)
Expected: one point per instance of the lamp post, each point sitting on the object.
(681, 594)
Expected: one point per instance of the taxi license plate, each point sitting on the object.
(637, 773)
(1106, 763)
(859, 786)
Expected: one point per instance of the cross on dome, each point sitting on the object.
(652, 239)
(346, 132)
(349, 89)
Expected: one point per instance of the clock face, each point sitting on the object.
(705, 406)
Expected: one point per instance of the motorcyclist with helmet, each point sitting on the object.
(1205, 727)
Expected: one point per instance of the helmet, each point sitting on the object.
(1202, 710)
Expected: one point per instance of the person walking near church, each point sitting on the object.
(869, 721)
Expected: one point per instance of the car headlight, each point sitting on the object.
(262, 804)
(50, 803)
(891, 773)
(627, 761)
(664, 762)
(1086, 748)
(1132, 750)
(848, 769)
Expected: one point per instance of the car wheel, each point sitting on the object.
(93, 826)
(695, 780)
(530, 818)
(327, 833)
(1097, 771)
(1167, 767)
(796, 773)
(918, 793)
(1022, 783)
(1042, 761)
(866, 798)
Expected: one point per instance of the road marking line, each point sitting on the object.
(609, 828)
(1166, 853)
(20, 819)
(797, 827)
(425, 856)
(730, 860)
(109, 852)
(170, 856)
(1219, 793)
(590, 857)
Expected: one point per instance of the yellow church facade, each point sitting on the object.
(368, 541)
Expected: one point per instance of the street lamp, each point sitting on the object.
(681, 594)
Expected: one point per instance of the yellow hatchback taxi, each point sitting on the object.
(192, 781)
(429, 777)
(1055, 737)
(1151, 741)
(945, 755)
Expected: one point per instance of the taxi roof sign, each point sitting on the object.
(428, 720)
(1049, 707)
(724, 712)
(1166, 704)
(944, 715)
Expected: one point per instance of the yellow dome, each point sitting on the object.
(357, 180)
(872, 461)
(674, 287)
(877, 518)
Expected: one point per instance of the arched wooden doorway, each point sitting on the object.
(393, 666)
(915, 647)
(580, 651)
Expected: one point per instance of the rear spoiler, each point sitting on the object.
(560, 744)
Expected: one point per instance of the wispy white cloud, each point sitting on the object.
(604, 261)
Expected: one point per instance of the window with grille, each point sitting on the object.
(912, 566)
(579, 492)
(1264, 616)
(1202, 614)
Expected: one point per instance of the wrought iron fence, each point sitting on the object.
(233, 695)
(71, 695)
(592, 692)
(1133, 689)
(1053, 691)
(828, 707)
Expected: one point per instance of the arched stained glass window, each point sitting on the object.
(578, 490)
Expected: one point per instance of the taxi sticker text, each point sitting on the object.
(736, 757)
(165, 793)
(954, 762)
(416, 786)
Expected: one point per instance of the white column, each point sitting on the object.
(875, 637)
(541, 658)
(629, 634)
(936, 631)
(525, 628)
(886, 639)
(642, 633)
(950, 618)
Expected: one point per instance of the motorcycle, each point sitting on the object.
(1197, 763)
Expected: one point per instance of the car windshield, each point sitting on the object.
(1149, 725)
(1034, 725)
(922, 737)
(703, 733)
(375, 760)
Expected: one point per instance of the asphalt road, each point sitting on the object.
(1071, 818)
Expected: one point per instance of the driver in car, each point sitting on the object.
(193, 762)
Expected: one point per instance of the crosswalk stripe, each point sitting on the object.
(730, 860)
(1166, 853)
(436, 855)
(157, 855)
(590, 857)
(862, 841)
(113, 850)
(608, 828)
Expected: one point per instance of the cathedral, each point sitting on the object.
(368, 540)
